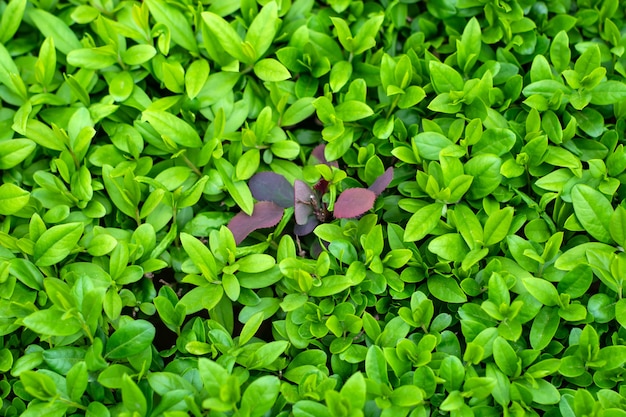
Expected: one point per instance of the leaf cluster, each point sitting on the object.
(312, 208)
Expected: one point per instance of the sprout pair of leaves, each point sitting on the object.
(274, 194)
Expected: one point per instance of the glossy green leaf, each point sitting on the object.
(12, 199)
(130, 339)
(593, 211)
(56, 243)
(172, 127)
(446, 289)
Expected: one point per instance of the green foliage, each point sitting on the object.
(472, 157)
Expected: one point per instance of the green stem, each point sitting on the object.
(191, 165)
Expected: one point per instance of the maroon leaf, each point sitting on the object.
(321, 187)
(382, 182)
(302, 204)
(318, 153)
(269, 186)
(265, 214)
(353, 202)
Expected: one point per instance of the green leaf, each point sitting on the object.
(608, 92)
(39, 385)
(131, 339)
(269, 69)
(468, 225)
(133, 398)
(544, 327)
(202, 298)
(299, 111)
(49, 25)
(588, 61)
(14, 151)
(138, 54)
(52, 322)
(196, 76)
(11, 19)
(505, 357)
(260, 396)
(497, 225)
(452, 372)
(56, 243)
(45, 409)
(26, 272)
(542, 290)
(617, 226)
(238, 190)
(93, 58)
(430, 144)
(353, 110)
(173, 128)
(486, 172)
(227, 36)
(248, 164)
(449, 246)
(354, 390)
(444, 78)
(200, 255)
(620, 312)
(446, 289)
(77, 380)
(179, 26)
(307, 408)
(263, 29)
(468, 48)
(376, 365)
(12, 199)
(593, 211)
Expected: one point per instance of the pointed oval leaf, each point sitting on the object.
(422, 222)
(174, 19)
(49, 25)
(12, 199)
(131, 339)
(176, 129)
(269, 69)
(353, 202)
(263, 29)
(56, 243)
(593, 211)
(269, 186)
(15, 151)
(265, 214)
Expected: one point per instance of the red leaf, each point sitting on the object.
(382, 182)
(265, 214)
(353, 202)
(269, 186)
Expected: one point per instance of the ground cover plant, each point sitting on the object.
(306, 208)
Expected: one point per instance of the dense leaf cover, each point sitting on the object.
(301, 208)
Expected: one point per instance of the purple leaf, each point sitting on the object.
(269, 186)
(265, 214)
(353, 202)
(305, 229)
(318, 153)
(303, 208)
(382, 182)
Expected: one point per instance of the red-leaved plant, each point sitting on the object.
(274, 194)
